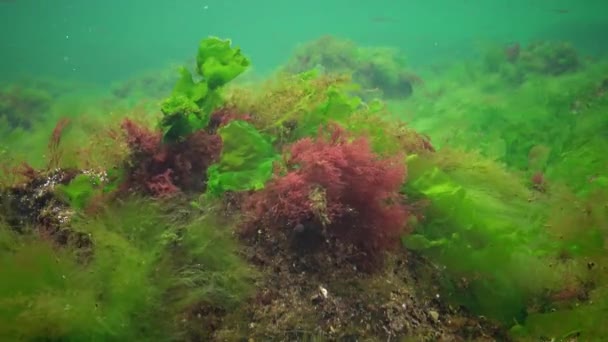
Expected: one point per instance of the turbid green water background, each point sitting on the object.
(105, 41)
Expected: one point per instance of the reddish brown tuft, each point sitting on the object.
(162, 184)
(54, 151)
(27, 171)
(141, 139)
(163, 169)
(340, 185)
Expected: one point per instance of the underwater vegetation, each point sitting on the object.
(332, 187)
(545, 133)
(548, 117)
(379, 71)
(138, 268)
(26, 101)
(18, 105)
(148, 85)
(514, 62)
(304, 207)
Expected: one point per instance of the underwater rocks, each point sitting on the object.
(28, 101)
(35, 204)
(152, 85)
(515, 63)
(325, 296)
(379, 71)
(549, 58)
(21, 106)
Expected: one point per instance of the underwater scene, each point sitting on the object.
(231, 170)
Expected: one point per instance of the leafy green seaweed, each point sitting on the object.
(246, 162)
(189, 107)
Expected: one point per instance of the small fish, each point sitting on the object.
(561, 11)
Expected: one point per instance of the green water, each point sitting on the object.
(259, 170)
(103, 41)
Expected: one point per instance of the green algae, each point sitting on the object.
(117, 292)
(246, 162)
(501, 242)
(189, 108)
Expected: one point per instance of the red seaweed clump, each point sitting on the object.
(162, 169)
(337, 187)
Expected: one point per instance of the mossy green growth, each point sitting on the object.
(189, 107)
(208, 268)
(584, 322)
(55, 294)
(508, 123)
(142, 267)
(127, 248)
(485, 234)
(551, 121)
(44, 293)
(246, 162)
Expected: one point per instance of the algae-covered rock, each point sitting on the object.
(22, 106)
(379, 71)
(516, 63)
(549, 58)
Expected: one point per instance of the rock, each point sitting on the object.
(434, 315)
